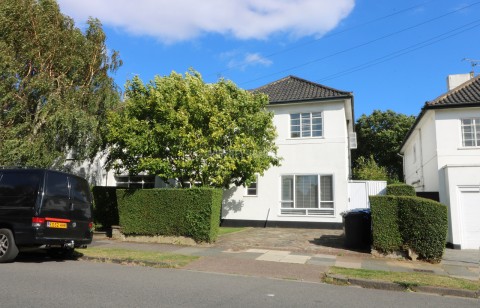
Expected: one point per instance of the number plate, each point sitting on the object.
(58, 225)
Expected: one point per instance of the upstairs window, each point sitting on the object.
(305, 125)
(471, 132)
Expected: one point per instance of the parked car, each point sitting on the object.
(43, 208)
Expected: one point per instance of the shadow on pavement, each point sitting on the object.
(336, 241)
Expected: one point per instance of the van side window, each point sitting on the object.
(57, 192)
(18, 189)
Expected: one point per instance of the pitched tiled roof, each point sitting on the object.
(294, 89)
(466, 93)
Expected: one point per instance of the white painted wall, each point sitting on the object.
(420, 155)
(327, 155)
(444, 165)
(459, 178)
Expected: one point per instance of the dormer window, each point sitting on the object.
(471, 132)
(305, 125)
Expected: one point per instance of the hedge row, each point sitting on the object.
(105, 206)
(401, 222)
(400, 190)
(193, 213)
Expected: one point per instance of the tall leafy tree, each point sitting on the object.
(54, 84)
(380, 135)
(179, 127)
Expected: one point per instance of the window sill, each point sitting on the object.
(468, 148)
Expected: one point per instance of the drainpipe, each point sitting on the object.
(403, 167)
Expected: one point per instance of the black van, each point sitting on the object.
(40, 207)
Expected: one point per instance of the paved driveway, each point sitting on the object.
(291, 239)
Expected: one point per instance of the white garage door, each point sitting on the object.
(470, 207)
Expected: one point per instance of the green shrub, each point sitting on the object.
(401, 222)
(400, 190)
(385, 226)
(424, 226)
(105, 206)
(193, 212)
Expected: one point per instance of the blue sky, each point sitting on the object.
(391, 54)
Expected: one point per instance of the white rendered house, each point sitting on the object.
(442, 156)
(314, 124)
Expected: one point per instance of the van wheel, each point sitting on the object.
(8, 249)
(61, 253)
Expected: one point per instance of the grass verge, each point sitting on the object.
(228, 230)
(408, 278)
(149, 258)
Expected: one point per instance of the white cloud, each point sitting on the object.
(243, 60)
(180, 20)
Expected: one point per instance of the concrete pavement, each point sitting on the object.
(303, 254)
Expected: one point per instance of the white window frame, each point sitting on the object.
(248, 188)
(474, 131)
(316, 211)
(306, 120)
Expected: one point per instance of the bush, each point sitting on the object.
(386, 232)
(401, 222)
(193, 213)
(105, 210)
(424, 226)
(400, 190)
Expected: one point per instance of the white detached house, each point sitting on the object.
(314, 124)
(442, 156)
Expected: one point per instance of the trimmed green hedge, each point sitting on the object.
(400, 190)
(193, 212)
(424, 226)
(105, 206)
(401, 222)
(385, 226)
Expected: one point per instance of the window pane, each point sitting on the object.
(287, 188)
(288, 205)
(252, 189)
(306, 191)
(326, 188)
(80, 190)
(295, 125)
(470, 132)
(19, 184)
(57, 185)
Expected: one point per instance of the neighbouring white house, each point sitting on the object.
(442, 156)
(315, 134)
(312, 187)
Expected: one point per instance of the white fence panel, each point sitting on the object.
(358, 192)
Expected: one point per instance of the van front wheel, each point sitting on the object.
(8, 249)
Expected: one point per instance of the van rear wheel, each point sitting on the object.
(8, 249)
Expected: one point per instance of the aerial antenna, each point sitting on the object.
(473, 63)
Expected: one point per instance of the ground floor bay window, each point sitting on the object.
(307, 195)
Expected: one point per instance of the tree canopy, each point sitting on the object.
(368, 169)
(179, 127)
(380, 135)
(54, 84)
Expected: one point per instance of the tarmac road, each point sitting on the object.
(37, 282)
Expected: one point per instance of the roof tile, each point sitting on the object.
(294, 89)
(466, 93)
